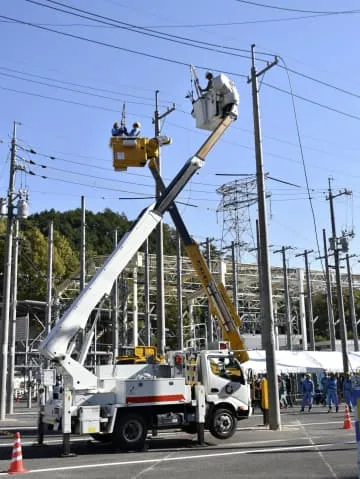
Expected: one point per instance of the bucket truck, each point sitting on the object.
(121, 403)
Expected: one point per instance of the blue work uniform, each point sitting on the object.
(134, 131)
(332, 396)
(347, 392)
(307, 388)
(119, 131)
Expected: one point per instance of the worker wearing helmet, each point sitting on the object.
(332, 392)
(347, 390)
(307, 388)
(118, 130)
(210, 84)
(135, 131)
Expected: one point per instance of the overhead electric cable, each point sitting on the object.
(116, 47)
(286, 9)
(142, 30)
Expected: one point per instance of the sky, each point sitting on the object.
(67, 68)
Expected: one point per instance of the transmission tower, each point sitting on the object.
(236, 198)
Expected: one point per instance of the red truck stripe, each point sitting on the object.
(164, 398)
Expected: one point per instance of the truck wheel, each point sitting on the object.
(130, 432)
(222, 423)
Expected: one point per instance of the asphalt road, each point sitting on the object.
(309, 445)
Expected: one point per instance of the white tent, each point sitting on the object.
(302, 361)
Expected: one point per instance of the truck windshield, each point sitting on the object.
(226, 367)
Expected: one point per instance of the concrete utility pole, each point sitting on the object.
(160, 302)
(83, 245)
(329, 301)
(352, 303)
(180, 321)
(234, 275)
(4, 337)
(115, 310)
(266, 290)
(309, 299)
(261, 287)
(147, 293)
(209, 322)
(14, 289)
(334, 246)
(286, 298)
(49, 277)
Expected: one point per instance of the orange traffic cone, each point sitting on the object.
(347, 420)
(16, 465)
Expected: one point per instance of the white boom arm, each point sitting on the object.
(55, 345)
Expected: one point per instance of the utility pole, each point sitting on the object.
(286, 298)
(49, 277)
(309, 299)
(234, 275)
(329, 301)
(266, 290)
(334, 247)
(147, 293)
(14, 289)
(160, 302)
(4, 337)
(115, 310)
(180, 321)
(352, 303)
(209, 323)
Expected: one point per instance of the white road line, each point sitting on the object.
(320, 453)
(180, 458)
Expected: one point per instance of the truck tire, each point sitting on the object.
(222, 423)
(130, 432)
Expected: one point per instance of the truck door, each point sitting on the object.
(225, 378)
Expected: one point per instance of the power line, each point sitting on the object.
(9, 75)
(275, 7)
(321, 105)
(141, 30)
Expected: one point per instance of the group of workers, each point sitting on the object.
(121, 130)
(330, 391)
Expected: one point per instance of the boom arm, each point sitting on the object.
(221, 304)
(56, 344)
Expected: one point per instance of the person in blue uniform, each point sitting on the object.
(307, 389)
(118, 130)
(323, 382)
(347, 391)
(135, 131)
(332, 395)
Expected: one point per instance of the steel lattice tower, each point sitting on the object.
(236, 198)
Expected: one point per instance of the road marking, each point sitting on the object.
(319, 452)
(182, 458)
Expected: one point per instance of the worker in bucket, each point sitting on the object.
(347, 391)
(210, 84)
(332, 396)
(118, 130)
(135, 131)
(307, 389)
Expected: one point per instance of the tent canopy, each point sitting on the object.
(302, 361)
